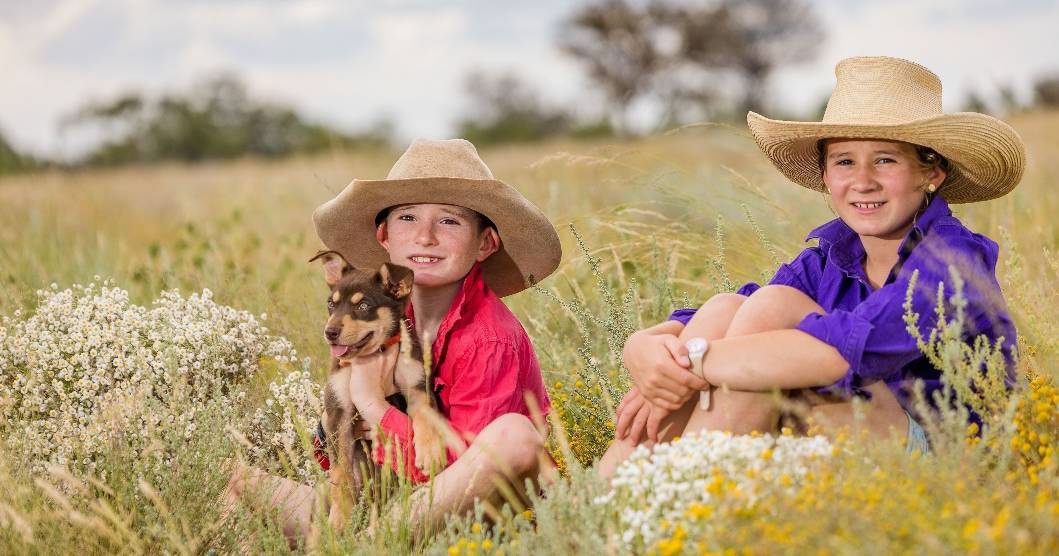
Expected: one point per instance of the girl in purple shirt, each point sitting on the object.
(830, 322)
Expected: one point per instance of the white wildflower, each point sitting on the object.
(89, 371)
(710, 468)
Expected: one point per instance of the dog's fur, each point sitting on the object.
(365, 311)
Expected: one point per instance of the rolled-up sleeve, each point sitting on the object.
(803, 273)
(873, 337)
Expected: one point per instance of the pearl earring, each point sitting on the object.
(931, 187)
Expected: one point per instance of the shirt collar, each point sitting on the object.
(843, 245)
(836, 229)
(471, 291)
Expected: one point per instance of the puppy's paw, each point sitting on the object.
(429, 446)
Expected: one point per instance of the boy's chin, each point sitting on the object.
(428, 279)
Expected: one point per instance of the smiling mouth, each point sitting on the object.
(423, 259)
(868, 206)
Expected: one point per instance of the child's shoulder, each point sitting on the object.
(954, 233)
(949, 242)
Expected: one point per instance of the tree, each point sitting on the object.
(750, 38)
(1046, 91)
(11, 161)
(677, 50)
(975, 102)
(615, 41)
(506, 109)
(217, 119)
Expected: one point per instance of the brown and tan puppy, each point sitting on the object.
(366, 310)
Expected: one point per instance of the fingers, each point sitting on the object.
(678, 351)
(663, 391)
(628, 413)
(654, 423)
(659, 366)
(628, 397)
(636, 431)
(692, 381)
(664, 388)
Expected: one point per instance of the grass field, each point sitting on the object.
(647, 226)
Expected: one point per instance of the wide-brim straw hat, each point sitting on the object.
(444, 172)
(887, 98)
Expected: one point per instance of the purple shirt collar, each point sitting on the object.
(843, 245)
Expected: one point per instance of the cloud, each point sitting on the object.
(353, 63)
(970, 45)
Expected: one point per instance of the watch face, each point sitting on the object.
(697, 346)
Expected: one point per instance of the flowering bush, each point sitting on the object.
(293, 406)
(89, 373)
(1036, 437)
(654, 491)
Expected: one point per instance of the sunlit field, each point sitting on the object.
(140, 397)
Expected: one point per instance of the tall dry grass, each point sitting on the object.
(647, 226)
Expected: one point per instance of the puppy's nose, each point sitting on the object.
(331, 334)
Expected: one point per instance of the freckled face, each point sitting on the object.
(876, 186)
(440, 243)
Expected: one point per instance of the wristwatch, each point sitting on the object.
(697, 348)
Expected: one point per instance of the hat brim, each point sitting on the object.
(987, 155)
(529, 251)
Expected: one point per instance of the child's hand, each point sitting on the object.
(371, 380)
(632, 415)
(659, 366)
(637, 418)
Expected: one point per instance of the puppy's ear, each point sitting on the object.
(335, 265)
(396, 280)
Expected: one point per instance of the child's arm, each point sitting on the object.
(648, 354)
(784, 359)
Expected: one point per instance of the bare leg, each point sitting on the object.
(881, 417)
(710, 322)
(293, 501)
(782, 307)
(770, 308)
(506, 452)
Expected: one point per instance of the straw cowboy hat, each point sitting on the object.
(894, 99)
(444, 172)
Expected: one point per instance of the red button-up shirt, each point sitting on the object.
(484, 367)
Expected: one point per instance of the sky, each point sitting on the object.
(352, 63)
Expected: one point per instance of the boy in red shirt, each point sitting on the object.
(470, 239)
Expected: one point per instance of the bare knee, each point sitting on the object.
(237, 481)
(514, 441)
(773, 307)
(714, 317)
(726, 302)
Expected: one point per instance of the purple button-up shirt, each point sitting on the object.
(866, 326)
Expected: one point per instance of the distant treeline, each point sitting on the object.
(11, 161)
(217, 119)
(691, 61)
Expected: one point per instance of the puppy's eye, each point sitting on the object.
(362, 307)
(330, 304)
